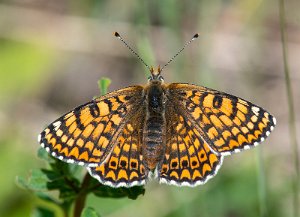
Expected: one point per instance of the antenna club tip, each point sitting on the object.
(117, 34)
(196, 36)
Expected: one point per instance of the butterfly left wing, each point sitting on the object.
(226, 123)
(188, 160)
(87, 134)
(124, 167)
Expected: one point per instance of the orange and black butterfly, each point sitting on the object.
(178, 133)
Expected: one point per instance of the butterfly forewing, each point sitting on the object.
(188, 161)
(124, 166)
(87, 134)
(225, 122)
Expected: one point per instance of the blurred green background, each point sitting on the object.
(53, 52)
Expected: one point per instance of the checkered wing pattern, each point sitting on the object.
(124, 166)
(226, 123)
(188, 161)
(88, 134)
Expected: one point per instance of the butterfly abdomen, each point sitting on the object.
(154, 127)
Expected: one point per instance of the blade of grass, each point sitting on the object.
(261, 179)
(292, 124)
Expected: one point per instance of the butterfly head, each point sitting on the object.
(155, 75)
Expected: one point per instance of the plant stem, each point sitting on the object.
(66, 213)
(81, 198)
(261, 179)
(292, 124)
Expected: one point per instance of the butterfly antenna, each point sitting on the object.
(124, 42)
(186, 44)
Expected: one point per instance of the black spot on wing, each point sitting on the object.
(202, 97)
(109, 103)
(217, 101)
(234, 101)
(94, 109)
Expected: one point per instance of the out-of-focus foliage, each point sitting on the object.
(68, 180)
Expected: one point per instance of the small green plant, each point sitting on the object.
(72, 183)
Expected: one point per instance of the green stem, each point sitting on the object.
(66, 213)
(292, 124)
(261, 183)
(81, 197)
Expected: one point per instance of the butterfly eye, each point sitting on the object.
(150, 78)
(160, 78)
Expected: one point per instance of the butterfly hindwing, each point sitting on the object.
(227, 123)
(188, 161)
(87, 134)
(124, 166)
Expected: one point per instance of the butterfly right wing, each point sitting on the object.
(87, 134)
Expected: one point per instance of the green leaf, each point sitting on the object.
(61, 170)
(89, 212)
(103, 84)
(65, 169)
(62, 177)
(67, 185)
(131, 193)
(68, 194)
(44, 155)
(37, 181)
(60, 167)
(21, 182)
(135, 191)
(51, 175)
(56, 179)
(44, 196)
(76, 170)
(42, 212)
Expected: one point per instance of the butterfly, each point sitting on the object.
(177, 133)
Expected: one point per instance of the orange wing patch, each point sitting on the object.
(227, 123)
(124, 166)
(188, 161)
(87, 134)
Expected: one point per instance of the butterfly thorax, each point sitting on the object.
(154, 126)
